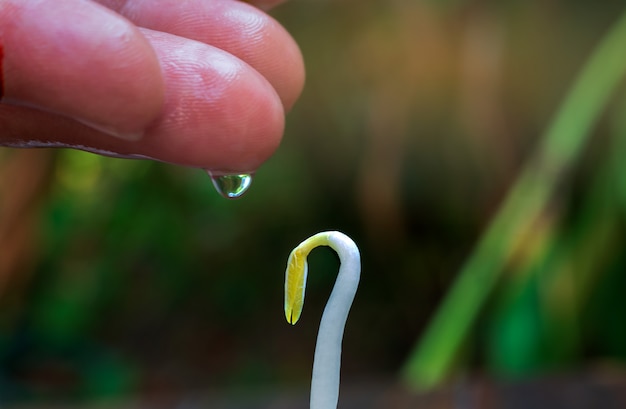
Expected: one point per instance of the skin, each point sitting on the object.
(200, 83)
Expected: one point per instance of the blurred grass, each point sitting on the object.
(416, 119)
(522, 220)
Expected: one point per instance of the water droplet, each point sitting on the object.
(231, 186)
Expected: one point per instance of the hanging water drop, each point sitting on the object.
(231, 186)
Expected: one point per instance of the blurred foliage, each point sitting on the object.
(416, 119)
(519, 236)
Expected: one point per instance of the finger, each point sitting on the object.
(219, 114)
(231, 25)
(217, 107)
(81, 60)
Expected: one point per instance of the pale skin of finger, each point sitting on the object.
(209, 123)
(81, 60)
(235, 27)
(219, 114)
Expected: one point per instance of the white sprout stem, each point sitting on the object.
(327, 360)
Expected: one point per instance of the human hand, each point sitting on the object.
(202, 83)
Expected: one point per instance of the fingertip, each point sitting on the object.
(259, 40)
(258, 127)
(219, 114)
(262, 42)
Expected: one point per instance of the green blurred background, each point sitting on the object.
(129, 278)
